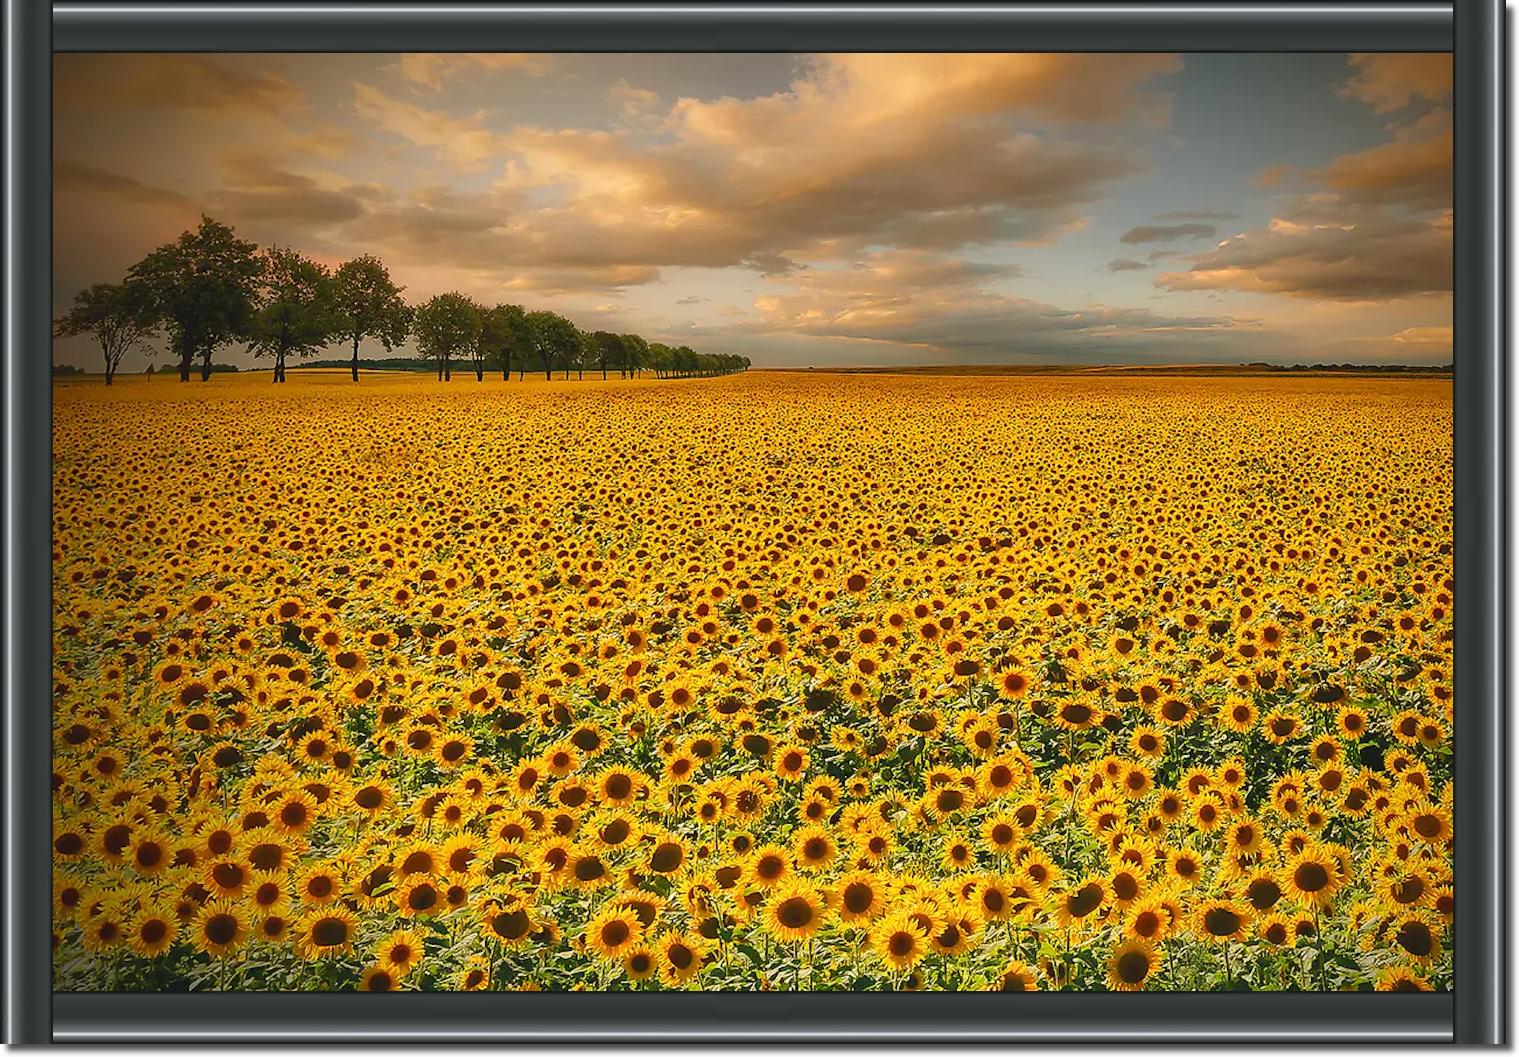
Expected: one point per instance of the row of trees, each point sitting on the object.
(209, 289)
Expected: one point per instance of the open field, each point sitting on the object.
(776, 680)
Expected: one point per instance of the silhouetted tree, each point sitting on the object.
(661, 359)
(296, 315)
(205, 287)
(446, 326)
(555, 340)
(635, 355)
(504, 331)
(369, 305)
(608, 349)
(121, 317)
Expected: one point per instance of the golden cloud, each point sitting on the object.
(1391, 81)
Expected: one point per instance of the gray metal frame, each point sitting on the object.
(1474, 1013)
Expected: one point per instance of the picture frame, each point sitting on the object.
(1474, 1012)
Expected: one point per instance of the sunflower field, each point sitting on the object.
(774, 681)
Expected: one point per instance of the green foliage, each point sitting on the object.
(446, 326)
(120, 316)
(297, 316)
(204, 285)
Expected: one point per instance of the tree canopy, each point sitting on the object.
(368, 305)
(446, 326)
(121, 316)
(210, 288)
(296, 314)
(204, 286)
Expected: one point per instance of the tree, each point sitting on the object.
(608, 350)
(446, 326)
(504, 338)
(555, 340)
(297, 315)
(121, 316)
(685, 361)
(205, 286)
(585, 353)
(635, 355)
(369, 305)
(661, 358)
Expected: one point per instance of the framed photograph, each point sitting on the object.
(754, 524)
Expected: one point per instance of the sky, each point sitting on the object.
(856, 209)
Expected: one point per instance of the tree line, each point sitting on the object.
(209, 289)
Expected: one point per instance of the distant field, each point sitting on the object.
(1199, 370)
(1078, 681)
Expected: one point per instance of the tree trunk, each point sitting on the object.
(356, 357)
(184, 365)
(479, 371)
(205, 364)
(110, 372)
(440, 370)
(448, 370)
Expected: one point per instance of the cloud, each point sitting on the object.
(1376, 225)
(1326, 249)
(1166, 233)
(428, 70)
(691, 300)
(1392, 81)
(924, 151)
(1405, 172)
(90, 179)
(1430, 345)
(463, 140)
(954, 307)
(257, 189)
(631, 100)
(171, 81)
(1197, 214)
(1272, 176)
(1124, 264)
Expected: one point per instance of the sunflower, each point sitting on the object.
(1222, 919)
(1418, 935)
(1430, 825)
(1148, 921)
(151, 932)
(379, 978)
(325, 932)
(679, 957)
(814, 848)
(1312, 875)
(400, 952)
(1401, 978)
(1082, 903)
(220, 928)
(226, 877)
(474, 974)
(794, 911)
(899, 940)
(420, 896)
(768, 865)
(1016, 976)
(509, 922)
(1184, 866)
(1130, 965)
(319, 884)
(613, 932)
(294, 812)
(858, 897)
